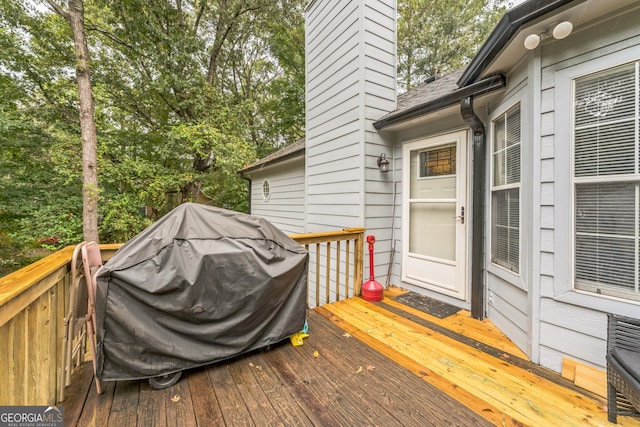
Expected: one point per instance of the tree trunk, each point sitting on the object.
(75, 17)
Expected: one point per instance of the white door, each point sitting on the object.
(435, 214)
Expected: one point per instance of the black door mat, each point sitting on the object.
(426, 304)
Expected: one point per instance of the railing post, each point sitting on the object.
(33, 305)
(37, 295)
(358, 263)
(353, 271)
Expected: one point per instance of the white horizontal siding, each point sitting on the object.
(336, 198)
(333, 114)
(285, 207)
(345, 76)
(324, 19)
(327, 190)
(332, 176)
(327, 221)
(351, 59)
(325, 136)
(379, 98)
(325, 152)
(341, 168)
(546, 147)
(565, 343)
(350, 46)
(507, 307)
(342, 61)
(571, 326)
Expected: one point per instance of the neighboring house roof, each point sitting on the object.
(290, 151)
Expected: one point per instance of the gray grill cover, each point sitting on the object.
(200, 285)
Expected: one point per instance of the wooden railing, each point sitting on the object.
(335, 264)
(34, 300)
(33, 303)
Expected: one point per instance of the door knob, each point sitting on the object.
(461, 216)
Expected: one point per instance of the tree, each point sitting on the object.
(187, 92)
(40, 177)
(440, 36)
(195, 79)
(74, 15)
(36, 207)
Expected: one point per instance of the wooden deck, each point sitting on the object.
(363, 364)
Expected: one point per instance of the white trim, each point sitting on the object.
(521, 280)
(514, 277)
(266, 190)
(461, 138)
(533, 120)
(600, 179)
(564, 223)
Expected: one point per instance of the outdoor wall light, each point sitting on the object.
(560, 31)
(383, 163)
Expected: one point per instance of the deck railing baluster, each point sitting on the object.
(331, 281)
(34, 302)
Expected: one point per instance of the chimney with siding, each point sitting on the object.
(350, 83)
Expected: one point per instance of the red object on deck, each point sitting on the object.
(372, 290)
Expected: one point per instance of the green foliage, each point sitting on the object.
(122, 218)
(439, 36)
(193, 127)
(40, 193)
(186, 93)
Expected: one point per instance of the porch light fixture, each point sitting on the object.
(383, 163)
(559, 32)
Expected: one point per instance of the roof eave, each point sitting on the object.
(262, 165)
(481, 87)
(509, 25)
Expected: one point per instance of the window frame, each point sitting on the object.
(494, 189)
(266, 190)
(556, 265)
(437, 175)
(604, 179)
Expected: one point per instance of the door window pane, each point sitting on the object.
(431, 187)
(438, 162)
(432, 205)
(433, 230)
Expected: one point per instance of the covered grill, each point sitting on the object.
(200, 285)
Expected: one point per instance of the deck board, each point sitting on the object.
(203, 397)
(363, 364)
(286, 404)
(493, 380)
(124, 409)
(234, 410)
(481, 331)
(489, 412)
(179, 406)
(385, 384)
(257, 402)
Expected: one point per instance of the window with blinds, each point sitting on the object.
(606, 182)
(505, 190)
